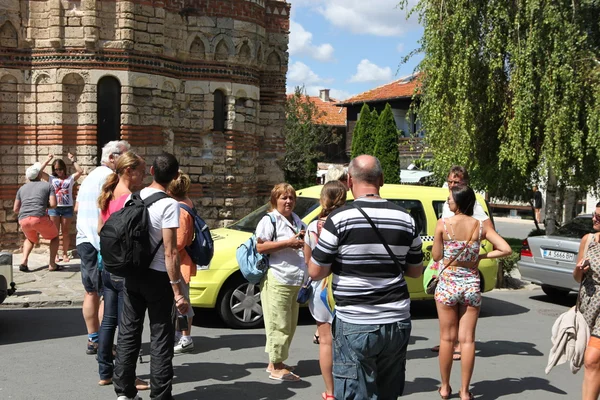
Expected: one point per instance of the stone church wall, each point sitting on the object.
(169, 58)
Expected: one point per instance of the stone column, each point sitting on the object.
(90, 23)
(56, 23)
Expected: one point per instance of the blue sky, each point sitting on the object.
(349, 46)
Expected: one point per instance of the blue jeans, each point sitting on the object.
(369, 361)
(113, 305)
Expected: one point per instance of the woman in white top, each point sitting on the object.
(333, 196)
(280, 234)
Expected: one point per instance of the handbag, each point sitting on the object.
(432, 284)
(305, 292)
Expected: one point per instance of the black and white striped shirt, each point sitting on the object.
(368, 288)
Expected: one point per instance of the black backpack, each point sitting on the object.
(125, 237)
(202, 248)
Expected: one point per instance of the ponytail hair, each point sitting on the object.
(129, 160)
(333, 195)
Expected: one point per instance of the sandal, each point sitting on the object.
(141, 384)
(470, 395)
(56, 268)
(66, 259)
(456, 356)
(446, 396)
(285, 366)
(315, 339)
(286, 376)
(436, 349)
(105, 382)
(23, 268)
(57, 258)
(326, 396)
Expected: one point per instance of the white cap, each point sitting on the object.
(33, 172)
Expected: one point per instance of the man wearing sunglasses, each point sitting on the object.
(88, 241)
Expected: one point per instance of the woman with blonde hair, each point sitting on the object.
(127, 178)
(333, 196)
(179, 190)
(280, 234)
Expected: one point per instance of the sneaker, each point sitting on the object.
(92, 348)
(129, 398)
(184, 346)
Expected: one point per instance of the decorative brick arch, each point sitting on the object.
(197, 46)
(72, 88)
(245, 51)
(223, 47)
(9, 36)
(274, 61)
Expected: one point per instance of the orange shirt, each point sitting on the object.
(185, 235)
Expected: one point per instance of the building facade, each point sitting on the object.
(203, 79)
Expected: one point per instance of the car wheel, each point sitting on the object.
(239, 304)
(555, 292)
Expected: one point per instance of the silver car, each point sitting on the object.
(549, 260)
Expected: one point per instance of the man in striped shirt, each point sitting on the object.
(372, 323)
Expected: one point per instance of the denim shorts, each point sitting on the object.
(369, 361)
(66, 212)
(90, 275)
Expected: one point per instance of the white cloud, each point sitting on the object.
(374, 17)
(301, 74)
(366, 71)
(301, 44)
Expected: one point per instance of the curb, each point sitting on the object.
(41, 304)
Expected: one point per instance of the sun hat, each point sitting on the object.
(33, 172)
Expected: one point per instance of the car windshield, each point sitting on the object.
(577, 228)
(304, 206)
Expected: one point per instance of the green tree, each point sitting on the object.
(363, 135)
(386, 145)
(303, 137)
(510, 89)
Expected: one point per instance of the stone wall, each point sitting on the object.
(169, 58)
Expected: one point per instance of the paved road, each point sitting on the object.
(514, 228)
(42, 356)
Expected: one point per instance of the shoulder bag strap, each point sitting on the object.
(380, 236)
(460, 252)
(148, 201)
(589, 240)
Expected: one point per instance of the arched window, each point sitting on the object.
(109, 112)
(219, 111)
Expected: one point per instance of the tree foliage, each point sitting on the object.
(386, 145)
(363, 135)
(303, 137)
(510, 89)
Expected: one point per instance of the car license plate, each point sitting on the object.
(558, 255)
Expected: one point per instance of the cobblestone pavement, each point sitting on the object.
(42, 288)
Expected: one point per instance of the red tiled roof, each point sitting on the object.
(401, 88)
(332, 115)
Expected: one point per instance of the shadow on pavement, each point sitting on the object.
(204, 344)
(492, 348)
(491, 390)
(566, 301)
(246, 390)
(33, 324)
(492, 307)
(421, 385)
(495, 348)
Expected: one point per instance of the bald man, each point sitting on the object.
(372, 322)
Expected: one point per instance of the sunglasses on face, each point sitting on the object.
(596, 217)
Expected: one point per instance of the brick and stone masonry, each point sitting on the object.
(203, 79)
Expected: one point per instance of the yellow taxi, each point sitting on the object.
(237, 301)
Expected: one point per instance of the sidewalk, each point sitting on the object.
(42, 288)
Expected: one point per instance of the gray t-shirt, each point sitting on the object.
(34, 198)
